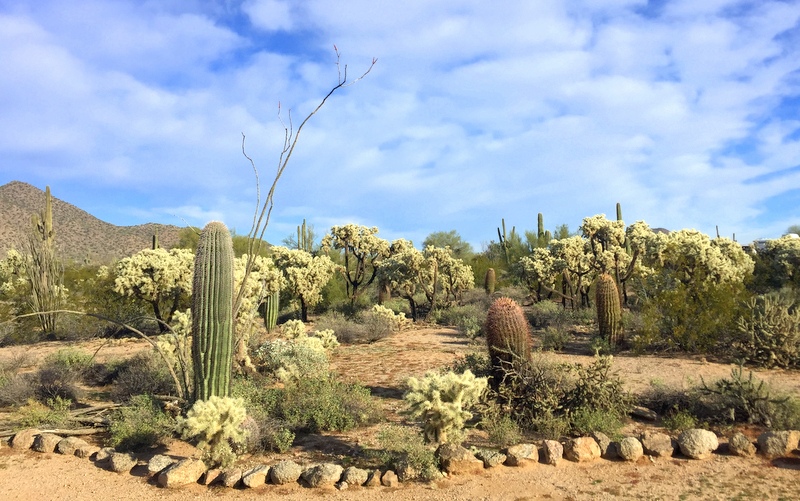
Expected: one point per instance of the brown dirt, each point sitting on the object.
(383, 366)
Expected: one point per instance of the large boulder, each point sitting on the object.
(521, 454)
(322, 475)
(23, 439)
(630, 449)
(231, 477)
(607, 451)
(159, 463)
(184, 472)
(740, 445)
(697, 443)
(390, 479)
(256, 476)
(581, 449)
(456, 460)
(355, 477)
(552, 451)
(71, 446)
(46, 442)
(657, 444)
(121, 462)
(490, 458)
(285, 472)
(773, 444)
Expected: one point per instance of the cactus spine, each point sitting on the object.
(489, 281)
(271, 307)
(212, 312)
(609, 312)
(507, 336)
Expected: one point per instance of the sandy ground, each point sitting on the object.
(383, 366)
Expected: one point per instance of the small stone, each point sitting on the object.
(355, 477)
(456, 460)
(740, 445)
(24, 438)
(552, 451)
(121, 462)
(389, 479)
(285, 472)
(255, 477)
(581, 449)
(70, 445)
(86, 451)
(230, 478)
(184, 472)
(773, 444)
(657, 444)
(521, 454)
(697, 443)
(374, 479)
(211, 476)
(159, 463)
(606, 451)
(644, 413)
(341, 486)
(322, 475)
(46, 442)
(630, 449)
(104, 454)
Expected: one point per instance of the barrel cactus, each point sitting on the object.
(212, 312)
(507, 335)
(609, 312)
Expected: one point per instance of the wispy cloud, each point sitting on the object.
(683, 111)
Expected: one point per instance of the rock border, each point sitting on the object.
(167, 472)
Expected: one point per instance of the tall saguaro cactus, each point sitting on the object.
(45, 272)
(212, 312)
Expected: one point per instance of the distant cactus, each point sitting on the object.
(507, 336)
(489, 281)
(271, 307)
(45, 271)
(212, 312)
(609, 312)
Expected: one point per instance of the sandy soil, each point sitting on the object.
(383, 366)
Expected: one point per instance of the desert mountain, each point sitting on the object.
(79, 235)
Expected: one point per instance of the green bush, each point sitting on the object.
(500, 427)
(476, 363)
(585, 421)
(61, 373)
(140, 424)
(555, 338)
(325, 404)
(287, 361)
(54, 413)
(403, 448)
(468, 319)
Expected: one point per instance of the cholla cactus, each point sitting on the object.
(290, 361)
(306, 275)
(362, 252)
(217, 425)
(397, 321)
(769, 332)
(442, 402)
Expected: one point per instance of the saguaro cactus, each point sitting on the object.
(271, 307)
(609, 312)
(489, 281)
(212, 312)
(507, 336)
(45, 272)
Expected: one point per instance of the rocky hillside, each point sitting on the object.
(79, 235)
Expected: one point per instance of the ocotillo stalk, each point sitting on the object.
(212, 312)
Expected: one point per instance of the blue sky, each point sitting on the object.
(686, 112)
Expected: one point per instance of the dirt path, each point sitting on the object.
(383, 366)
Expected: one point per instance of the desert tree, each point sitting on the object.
(362, 250)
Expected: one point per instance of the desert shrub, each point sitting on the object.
(347, 330)
(679, 420)
(585, 421)
(403, 448)
(53, 413)
(290, 360)
(325, 404)
(476, 363)
(61, 373)
(266, 431)
(501, 429)
(143, 373)
(693, 318)
(597, 388)
(442, 402)
(768, 332)
(140, 424)
(468, 319)
(363, 327)
(16, 388)
(555, 338)
(546, 313)
(216, 425)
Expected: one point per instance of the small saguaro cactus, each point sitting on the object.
(212, 312)
(489, 281)
(507, 335)
(271, 307)
(609, 312)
